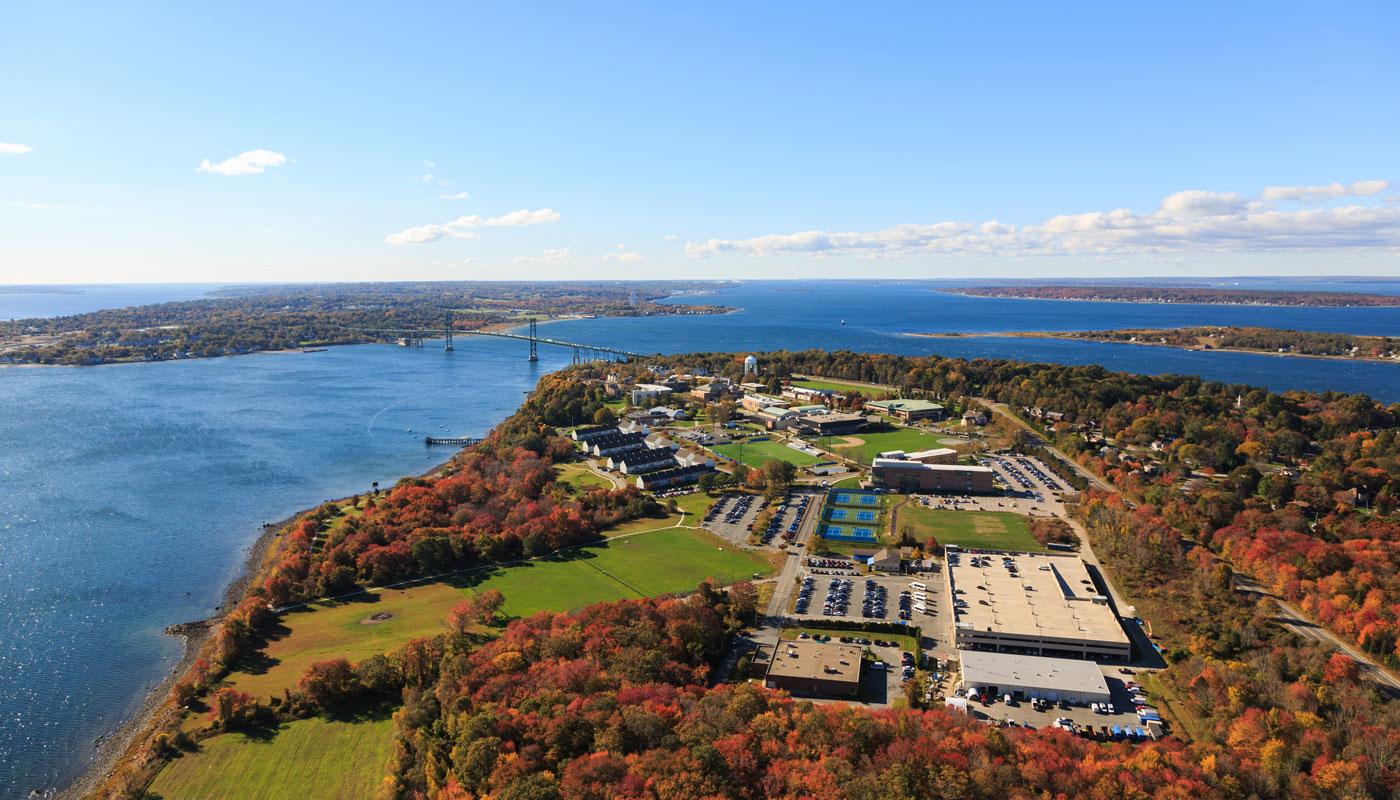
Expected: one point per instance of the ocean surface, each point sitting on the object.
(132, 492)
(23, 302)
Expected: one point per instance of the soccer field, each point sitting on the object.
(664, 562)
(756, 454)
(991, 530)
(906, 439)
(844, 388)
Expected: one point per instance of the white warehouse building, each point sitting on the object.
(1030, 677)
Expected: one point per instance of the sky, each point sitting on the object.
(255, 142)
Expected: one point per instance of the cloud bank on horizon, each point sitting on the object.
(14, 148)
(1278, 218)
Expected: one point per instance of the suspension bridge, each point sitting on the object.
(413, 337)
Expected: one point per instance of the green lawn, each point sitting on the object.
(344, 629)
(852, 482)
(846, 388)
(756, 454)
(307, 758)
(907, 439)
(993, 530)
(581, 477)
(667, 561)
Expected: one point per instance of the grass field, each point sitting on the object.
(580, 477)
(839, 386)
(307, 758)
(852, 482)
(328, 630)
(756, 454)
(906, 439)
(993, 530)
(668, 561)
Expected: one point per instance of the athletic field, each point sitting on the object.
(842, 387)
(992, 530)
(906, 439)
(756, 454)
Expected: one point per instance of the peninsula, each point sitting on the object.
(1243, 339)
(628, 607)
(1182, 294)
(250, 319)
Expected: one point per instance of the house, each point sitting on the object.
(830, 423)
(754, 402)
(645, 394)
(636, 462)
(904, 475)
(693, 458)
(617, 443)
(670, 478)
(656, 440)
(592, 432)
(716, 389)
(775, 418)
(633, 425)
(974, 419)
(886, 560)
(908, 410)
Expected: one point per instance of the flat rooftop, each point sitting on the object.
(905, 463)
(905, 405)
(1005, 670)
(1047, 597)
(937, 451)
(808, 659)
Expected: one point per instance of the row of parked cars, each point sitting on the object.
(873, 604)
(793, 508)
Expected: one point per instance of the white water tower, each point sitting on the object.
(750, 366)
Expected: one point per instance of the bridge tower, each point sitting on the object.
(534, 345)
(447, 331)
(577, 359)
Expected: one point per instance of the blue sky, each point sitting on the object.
(617, 140)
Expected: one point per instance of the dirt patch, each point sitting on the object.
(376, 618)
(850, 441)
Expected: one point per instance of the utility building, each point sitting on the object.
(813, 669)
(1032, 677)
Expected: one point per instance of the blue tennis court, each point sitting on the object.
(837, 514)
(869, 500)
(866, 516)
(842, 534)
(844, 499)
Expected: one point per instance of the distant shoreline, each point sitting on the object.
(1158, 296)
(1078, 336)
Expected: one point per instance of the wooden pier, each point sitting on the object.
(459, 441)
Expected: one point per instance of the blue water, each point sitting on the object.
(57, 301)
(131, 492)
(878, 314)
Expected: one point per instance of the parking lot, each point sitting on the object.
(828, 594)
(1084, 719)
(732, 516)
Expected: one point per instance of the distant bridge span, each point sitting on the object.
(416, 336)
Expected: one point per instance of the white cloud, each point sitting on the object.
(671, 237)
(1186, 221)
(622, 254)
(428, 165)
(554, 255)
(15, 148)
(457, 196)
(461, 227)
(427, 178)
(249, 162)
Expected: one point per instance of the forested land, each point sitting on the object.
(250, 319)
(1266, 340)
(1184, 294)
(615, 701)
